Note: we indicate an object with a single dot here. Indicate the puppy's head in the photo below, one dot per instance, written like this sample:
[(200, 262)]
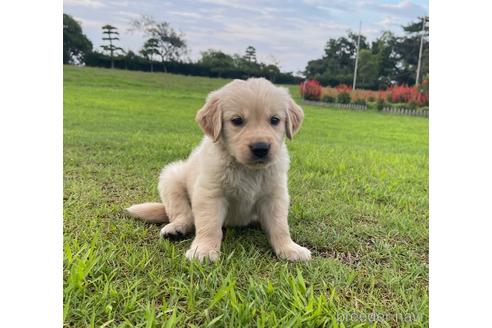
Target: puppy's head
[(251, 118)]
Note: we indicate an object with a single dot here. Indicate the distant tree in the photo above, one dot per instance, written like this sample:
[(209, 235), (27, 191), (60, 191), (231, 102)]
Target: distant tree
[(407, 49), (75, 44), (150, 48), (111, 36), (217, 61), (337, 64), (387, 60), (368, 70), (384, 50), (270, 71), (250, 54), (171, 44)]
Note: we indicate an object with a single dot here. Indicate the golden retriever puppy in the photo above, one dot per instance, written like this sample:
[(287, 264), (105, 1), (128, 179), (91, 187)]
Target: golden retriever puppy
[(236, 176)]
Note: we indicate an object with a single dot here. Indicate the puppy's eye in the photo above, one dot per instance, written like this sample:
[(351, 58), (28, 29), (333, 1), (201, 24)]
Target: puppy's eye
[(237, 121), (274, 120)]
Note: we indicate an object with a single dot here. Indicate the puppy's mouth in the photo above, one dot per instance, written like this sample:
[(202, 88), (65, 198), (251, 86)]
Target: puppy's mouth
[(259, 163)]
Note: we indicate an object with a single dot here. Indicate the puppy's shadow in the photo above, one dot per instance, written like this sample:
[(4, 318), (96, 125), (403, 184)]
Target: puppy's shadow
[(249, 235), (253, 229)]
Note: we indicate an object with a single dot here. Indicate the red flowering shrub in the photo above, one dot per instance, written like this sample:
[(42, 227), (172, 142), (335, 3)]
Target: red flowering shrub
[(329, 95), (400, 93), (423, 93), (415, 96), (344, 91), (382, 96), (310, 90), (361, 97), (343, 88)]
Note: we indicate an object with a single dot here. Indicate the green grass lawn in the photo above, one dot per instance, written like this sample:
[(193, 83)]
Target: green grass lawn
[(359, 200)]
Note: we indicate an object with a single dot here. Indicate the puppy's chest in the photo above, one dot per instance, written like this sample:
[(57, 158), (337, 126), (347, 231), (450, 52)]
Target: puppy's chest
[(242, 191), (244, 185)]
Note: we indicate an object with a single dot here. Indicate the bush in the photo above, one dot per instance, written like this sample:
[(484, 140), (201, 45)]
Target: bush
[(424, 109), (344, 98), (328, 99), (134, 62), (310, 90), (380, 104), (360, 102), (398, 106), (371, 105)]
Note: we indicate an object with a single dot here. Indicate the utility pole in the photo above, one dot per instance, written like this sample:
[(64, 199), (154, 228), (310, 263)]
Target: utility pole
[(420, 51), (357, 57)]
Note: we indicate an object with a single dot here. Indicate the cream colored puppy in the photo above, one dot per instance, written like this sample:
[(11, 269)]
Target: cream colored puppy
[(236, 176)]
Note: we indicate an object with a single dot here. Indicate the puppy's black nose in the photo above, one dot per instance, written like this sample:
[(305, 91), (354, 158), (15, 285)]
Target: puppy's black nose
[(260, 149)]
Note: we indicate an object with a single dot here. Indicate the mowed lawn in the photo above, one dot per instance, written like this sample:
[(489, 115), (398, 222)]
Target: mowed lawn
[(359, 200)]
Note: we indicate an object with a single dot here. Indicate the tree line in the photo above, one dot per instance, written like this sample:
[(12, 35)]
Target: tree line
[(164, 50), (389, 59)]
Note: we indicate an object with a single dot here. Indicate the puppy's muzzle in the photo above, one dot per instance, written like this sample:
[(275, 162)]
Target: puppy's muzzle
[(259, 149)]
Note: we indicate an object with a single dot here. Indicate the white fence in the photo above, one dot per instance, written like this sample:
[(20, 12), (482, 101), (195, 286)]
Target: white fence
[(404, 111), (397, 111), (336, 105)]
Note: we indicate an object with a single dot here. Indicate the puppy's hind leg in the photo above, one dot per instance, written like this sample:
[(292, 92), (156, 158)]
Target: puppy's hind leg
[(173, 192)]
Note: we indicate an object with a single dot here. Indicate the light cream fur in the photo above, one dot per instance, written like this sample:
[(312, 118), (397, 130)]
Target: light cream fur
[(222, 183)]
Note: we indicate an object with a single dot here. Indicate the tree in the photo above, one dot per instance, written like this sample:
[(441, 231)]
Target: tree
[(407, 49), (150, 48), (112, 35), (368, 70), (76, 45), (171, 44), (337, 64), (217, 61), (250, 54), (387, 60), (271, 72)]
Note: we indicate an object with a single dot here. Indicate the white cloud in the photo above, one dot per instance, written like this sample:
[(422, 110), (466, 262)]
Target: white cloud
[(186, 14), (85, 3), (388, 22), (89, 22), (404, 8)]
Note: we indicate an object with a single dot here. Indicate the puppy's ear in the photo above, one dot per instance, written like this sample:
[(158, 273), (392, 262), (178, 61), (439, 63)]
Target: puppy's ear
[(295, 115), (209, 117)]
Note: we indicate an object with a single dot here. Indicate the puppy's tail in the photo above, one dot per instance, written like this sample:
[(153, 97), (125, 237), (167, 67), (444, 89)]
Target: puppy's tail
[(149, 212)]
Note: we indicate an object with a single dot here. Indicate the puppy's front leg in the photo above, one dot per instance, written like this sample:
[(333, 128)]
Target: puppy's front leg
[(273, 212), (209, 212)]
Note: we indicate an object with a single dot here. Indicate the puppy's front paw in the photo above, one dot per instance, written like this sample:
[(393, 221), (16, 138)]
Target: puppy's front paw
[(173, 230), (202, 252), (294, 252)]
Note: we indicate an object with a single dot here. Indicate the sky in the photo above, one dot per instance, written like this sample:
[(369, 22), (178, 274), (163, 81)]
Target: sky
[(289, 33)]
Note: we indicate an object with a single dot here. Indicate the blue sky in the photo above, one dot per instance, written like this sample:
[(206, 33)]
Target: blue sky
[(287, 32)]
